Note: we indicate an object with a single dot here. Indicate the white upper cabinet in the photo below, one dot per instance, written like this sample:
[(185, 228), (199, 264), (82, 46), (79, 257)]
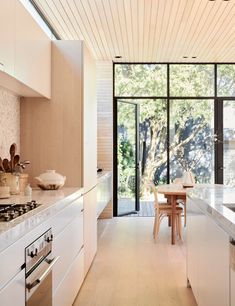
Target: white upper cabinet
[(25, 52), (7, 35), (32, 52)]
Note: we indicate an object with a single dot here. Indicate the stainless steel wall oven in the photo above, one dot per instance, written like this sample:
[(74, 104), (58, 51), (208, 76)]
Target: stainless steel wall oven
[(38, 271)]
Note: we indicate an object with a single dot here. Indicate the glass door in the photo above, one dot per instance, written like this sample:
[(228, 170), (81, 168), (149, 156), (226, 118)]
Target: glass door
[(228, 142), (127, 157)]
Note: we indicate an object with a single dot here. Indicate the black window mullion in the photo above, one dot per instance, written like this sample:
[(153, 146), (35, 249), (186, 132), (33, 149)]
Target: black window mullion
[(168, 124), (218, 141)]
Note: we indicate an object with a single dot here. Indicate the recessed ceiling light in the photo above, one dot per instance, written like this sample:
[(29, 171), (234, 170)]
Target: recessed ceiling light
[(118, 56)]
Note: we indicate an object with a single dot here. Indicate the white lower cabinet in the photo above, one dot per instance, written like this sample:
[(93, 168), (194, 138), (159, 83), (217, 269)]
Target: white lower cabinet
[(104, 192), (207, 259), (14, 292), (67, 245), (232, 287), (90, 227), (72, 281)]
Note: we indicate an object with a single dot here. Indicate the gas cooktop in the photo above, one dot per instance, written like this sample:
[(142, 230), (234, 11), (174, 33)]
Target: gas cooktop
[(10, 212)]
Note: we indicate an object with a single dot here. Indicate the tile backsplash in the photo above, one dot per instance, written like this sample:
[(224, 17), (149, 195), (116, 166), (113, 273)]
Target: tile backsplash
[(9, 121)]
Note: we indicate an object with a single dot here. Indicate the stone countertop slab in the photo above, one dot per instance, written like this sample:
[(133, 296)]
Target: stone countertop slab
[(213, 200), (52, 202), (103, 174)]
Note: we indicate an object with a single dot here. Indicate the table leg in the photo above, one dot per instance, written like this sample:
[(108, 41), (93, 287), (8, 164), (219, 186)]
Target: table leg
[(173, 218)]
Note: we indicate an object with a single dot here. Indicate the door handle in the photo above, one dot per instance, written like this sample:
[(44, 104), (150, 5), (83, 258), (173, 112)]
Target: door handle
[(51, 263)]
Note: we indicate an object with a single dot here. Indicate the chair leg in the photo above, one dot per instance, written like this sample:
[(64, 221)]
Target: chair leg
[(157, 228), (169, 220), (184, 214), (177, 224), (180, 226), (154, 226)]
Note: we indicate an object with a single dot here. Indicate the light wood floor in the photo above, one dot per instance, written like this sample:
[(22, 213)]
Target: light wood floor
[(131, 270), (146, 207)]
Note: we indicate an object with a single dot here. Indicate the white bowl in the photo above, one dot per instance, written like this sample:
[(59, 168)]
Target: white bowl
[(50, 180)]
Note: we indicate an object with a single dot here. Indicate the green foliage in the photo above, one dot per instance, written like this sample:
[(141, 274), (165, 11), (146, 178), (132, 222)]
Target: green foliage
[(191, 121), (226, 80), (140, 80), (191, 80)]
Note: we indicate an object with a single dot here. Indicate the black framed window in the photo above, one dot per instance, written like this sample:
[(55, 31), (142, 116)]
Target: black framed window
[(181, 118)]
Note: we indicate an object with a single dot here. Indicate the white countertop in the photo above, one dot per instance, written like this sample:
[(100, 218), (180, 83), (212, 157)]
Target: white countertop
[(210, 199), (52, 202), (103, 174)]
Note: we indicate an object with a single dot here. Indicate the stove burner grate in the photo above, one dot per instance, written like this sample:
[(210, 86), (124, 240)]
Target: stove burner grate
[(10, 212)]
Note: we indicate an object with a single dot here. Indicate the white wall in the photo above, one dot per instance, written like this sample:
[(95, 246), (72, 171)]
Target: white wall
[(9, 122), (105, 122), (105, 114)]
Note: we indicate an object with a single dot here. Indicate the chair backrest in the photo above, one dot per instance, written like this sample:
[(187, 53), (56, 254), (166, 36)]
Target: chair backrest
[(178, 180), (154, 190)]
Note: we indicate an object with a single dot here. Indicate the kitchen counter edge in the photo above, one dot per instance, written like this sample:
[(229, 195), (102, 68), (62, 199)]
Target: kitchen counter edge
[(52, 202), (213, 200)]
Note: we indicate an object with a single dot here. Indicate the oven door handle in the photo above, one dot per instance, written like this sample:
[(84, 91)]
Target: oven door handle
[(51, 263)]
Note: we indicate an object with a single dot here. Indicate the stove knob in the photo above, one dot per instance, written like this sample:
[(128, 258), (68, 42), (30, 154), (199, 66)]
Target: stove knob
[(31, 254), (7, 217), (49, 239), (12, 214)]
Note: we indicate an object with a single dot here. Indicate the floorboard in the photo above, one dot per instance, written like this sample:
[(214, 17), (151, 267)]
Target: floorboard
[(130, 269)]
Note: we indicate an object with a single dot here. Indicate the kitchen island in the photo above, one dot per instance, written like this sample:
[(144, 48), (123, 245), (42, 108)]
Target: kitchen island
[(61, 213), (210, 239)]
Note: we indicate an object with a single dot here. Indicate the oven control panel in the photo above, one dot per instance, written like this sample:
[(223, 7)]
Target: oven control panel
[(38, 249)]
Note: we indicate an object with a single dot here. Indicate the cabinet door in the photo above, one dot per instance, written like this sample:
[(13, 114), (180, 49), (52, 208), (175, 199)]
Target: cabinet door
[(214, 266), (90, 227), (67, 245), (232, 286), (14, 292), (32, 52), (89, 122), (7, 36), (195, 232), (69, 287)]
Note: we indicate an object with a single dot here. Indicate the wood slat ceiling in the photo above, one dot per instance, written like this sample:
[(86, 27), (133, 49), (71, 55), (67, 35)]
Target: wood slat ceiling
[(147, 30)]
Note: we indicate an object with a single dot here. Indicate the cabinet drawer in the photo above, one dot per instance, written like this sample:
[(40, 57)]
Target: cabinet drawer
[(69, 287), (63, 218), (11, 261), (14, 292), (67, 246)]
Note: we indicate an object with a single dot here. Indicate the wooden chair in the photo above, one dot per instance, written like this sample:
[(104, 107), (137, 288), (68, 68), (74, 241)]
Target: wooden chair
[(179, 180), (164, 210)]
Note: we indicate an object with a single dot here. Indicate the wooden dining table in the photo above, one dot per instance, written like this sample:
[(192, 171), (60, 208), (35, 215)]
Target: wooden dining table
[(172, 193)]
